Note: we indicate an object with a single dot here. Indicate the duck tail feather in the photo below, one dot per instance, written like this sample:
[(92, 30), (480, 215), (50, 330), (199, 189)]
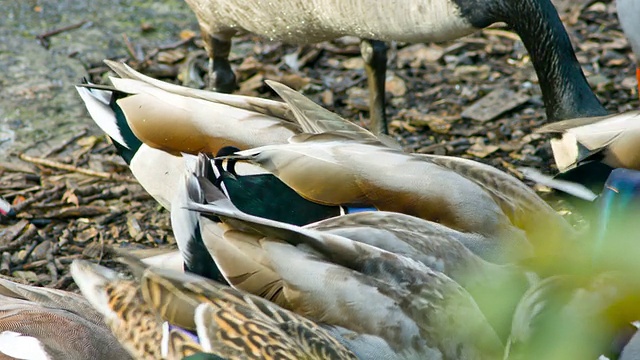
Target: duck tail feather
[(571, 188)]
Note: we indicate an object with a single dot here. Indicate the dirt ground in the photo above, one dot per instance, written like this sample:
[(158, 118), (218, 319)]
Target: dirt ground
[(80, 196)]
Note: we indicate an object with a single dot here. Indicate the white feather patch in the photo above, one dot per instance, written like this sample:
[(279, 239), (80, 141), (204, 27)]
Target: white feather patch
[(22, 347), (202, 311), (164, 343), (101, 113), (184, 222), (172, 261)]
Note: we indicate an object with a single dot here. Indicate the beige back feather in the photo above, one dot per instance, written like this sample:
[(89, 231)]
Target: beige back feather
[(262, 106), (177, 123), (435, 245), (520, 203), (337, 171)]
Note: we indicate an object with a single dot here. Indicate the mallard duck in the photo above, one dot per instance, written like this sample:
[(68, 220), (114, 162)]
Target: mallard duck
[(565, 91), (495, 288), (297, 267), (41, 323), (587, 149), (371, 174), (628, 11), (134, 322), (611, 139), (432, 244), (266, 196), (228, 322), (363, 171), (152, 123)]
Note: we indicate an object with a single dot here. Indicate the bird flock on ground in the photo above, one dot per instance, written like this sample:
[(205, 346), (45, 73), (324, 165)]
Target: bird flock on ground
[(302, 235)]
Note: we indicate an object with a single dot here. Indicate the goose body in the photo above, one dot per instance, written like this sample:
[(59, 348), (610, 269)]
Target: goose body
[(41, 323), (627, 11), (296, 21), (564, 87)]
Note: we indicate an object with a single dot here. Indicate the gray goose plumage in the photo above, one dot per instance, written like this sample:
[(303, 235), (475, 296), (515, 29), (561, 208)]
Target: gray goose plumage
[(565, 90)]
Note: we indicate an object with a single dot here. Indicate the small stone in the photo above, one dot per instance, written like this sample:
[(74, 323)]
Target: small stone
[(480, 150), (597, 7), (171, 56), (133, 226), (28, 276), (327, 98), (358, 98), (353, 63), (395, 85), (629, 83), (419, 55), (40, 252), (477, 72)]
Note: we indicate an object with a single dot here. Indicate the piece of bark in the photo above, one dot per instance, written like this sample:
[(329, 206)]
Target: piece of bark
[(495, 104)]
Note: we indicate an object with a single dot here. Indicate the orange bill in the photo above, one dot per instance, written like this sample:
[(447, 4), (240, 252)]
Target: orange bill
[(638, 78)]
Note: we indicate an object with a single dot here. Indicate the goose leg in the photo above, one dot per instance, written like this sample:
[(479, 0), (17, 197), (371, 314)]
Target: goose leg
[(221, 76), (374, 53)]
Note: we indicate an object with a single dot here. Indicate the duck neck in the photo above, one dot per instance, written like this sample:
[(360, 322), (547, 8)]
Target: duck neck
[(565, 90)]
